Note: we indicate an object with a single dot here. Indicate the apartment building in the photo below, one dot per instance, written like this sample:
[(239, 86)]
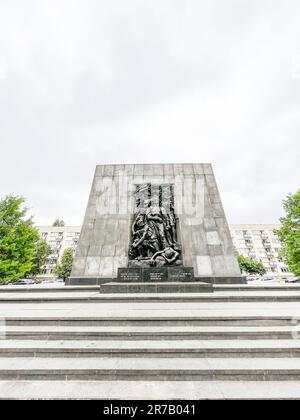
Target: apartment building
[(260, 242), (59, 238)]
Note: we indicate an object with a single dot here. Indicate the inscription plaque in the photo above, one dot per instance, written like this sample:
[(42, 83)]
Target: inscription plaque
[(155, 274), (181, 274), (130, 275)]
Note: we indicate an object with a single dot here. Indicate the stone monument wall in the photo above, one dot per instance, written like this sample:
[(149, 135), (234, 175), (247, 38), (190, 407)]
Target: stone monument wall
[(202, 229)]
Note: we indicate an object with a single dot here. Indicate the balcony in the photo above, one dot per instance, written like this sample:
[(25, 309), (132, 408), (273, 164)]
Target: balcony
[(270, 254), (247, 236)]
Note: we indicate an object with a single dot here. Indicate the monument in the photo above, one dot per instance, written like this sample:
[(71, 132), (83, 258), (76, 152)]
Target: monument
[(155, 224)]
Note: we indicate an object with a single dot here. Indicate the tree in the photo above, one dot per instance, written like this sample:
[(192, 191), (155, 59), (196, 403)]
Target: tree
[(63, 269), (249, 266), (41, 252), (18, 239), (289, 233), (58, 223)]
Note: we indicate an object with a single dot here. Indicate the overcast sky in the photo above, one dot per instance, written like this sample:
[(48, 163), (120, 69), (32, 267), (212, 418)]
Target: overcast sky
[(138, 81)]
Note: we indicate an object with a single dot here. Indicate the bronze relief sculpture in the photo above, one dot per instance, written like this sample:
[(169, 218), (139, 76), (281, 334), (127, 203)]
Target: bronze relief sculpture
[(154, 238)]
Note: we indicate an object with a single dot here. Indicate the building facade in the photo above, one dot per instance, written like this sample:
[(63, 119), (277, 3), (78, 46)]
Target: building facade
[(260, 242), (257, 241), (59, 238)]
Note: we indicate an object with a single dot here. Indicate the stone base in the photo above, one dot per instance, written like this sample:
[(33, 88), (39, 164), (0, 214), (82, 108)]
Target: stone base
[(87, 281), (94, 281), (165, 287), (155, 274), (223, 280)]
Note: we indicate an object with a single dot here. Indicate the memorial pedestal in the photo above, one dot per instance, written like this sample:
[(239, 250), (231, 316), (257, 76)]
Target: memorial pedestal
[(156, 280), (155, 274)]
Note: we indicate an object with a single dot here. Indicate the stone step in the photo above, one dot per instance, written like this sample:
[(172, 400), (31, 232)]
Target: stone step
[(149, 348), (217, 287), (150, 390), (256, 287), (149, 333), (163, 287), (147, 318), (199, 297), (172, 369), (47, 289), (50, 296)]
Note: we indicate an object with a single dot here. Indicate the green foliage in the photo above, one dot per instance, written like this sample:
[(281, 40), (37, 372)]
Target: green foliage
[(289, 233), (18, 239), (41, 252), (249, 266), (58, 223), (63, 269)]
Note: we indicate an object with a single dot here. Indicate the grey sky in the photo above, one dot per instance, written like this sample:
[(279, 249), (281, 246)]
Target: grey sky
[(137, 81)]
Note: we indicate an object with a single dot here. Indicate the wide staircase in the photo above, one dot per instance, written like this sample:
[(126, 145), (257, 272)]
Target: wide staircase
[(73, 342)]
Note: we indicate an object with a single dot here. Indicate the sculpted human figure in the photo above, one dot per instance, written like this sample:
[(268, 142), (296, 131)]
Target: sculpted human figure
[(145, 242), (158, 220), (167, 256), (172, 221)]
